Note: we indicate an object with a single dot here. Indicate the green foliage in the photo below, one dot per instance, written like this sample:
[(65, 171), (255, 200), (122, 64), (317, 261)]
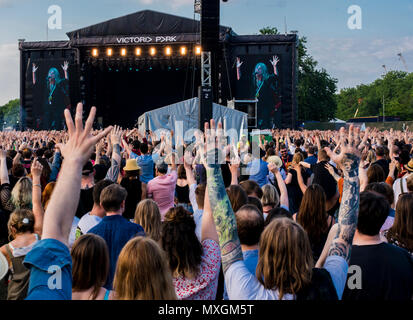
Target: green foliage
[(316, 88), (10, 113), (396, 88)]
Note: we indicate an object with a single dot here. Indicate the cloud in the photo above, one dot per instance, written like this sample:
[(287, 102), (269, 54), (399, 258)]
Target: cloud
[(10, 71), (171, 3), (356, 61)]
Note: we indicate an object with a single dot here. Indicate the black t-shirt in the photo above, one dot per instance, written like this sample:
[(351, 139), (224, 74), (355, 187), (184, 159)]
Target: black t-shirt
[(385, 165), (134, 189), (295, 194), (324, 179), (386, 273)]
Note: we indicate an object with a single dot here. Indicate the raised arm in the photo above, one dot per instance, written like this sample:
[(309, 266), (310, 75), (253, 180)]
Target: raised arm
[(61, 209), (224, 218), (281, 185), (114, 169), (38, 212), (348, 159)]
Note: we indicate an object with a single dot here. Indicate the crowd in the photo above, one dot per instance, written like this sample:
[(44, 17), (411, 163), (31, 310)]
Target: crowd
[(120, 215)]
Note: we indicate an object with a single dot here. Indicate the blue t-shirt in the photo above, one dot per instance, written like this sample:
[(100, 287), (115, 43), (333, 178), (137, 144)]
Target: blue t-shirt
[(146, 163), (310, 160), (117, 231), (392, 212), (258, 170)]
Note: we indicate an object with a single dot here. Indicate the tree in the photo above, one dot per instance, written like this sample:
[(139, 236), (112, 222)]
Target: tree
[(10, 113), (316, 88)]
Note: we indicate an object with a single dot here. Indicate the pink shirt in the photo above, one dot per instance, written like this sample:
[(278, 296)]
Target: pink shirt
[(162, 190)]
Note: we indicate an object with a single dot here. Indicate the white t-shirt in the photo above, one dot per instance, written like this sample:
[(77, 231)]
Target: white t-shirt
[(197, 212), (86, 223), (243, 285), (397, 187)]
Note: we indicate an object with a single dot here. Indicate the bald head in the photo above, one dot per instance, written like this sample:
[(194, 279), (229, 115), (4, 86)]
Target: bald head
[(250, 224)]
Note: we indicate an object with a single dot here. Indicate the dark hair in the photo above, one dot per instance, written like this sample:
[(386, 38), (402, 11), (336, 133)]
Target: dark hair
[(48, 154), (17, 170), (97, 190), (255, 202), (382, 188), (39, 152), (277, 213), (182, 247), (181, 172), (112, 197), (312, 150), (11, 153), (373, 211), (162, 167), (144, 148), (200, 195), (380, 151), (27, 153), (46, 171), (137, 145), (250, 187), (237, 196), (9, 163), (250, 224), (90, 259), (132, 173), (375, 173)]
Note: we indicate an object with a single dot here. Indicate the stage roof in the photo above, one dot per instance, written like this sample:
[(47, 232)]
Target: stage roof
[(146, 22)]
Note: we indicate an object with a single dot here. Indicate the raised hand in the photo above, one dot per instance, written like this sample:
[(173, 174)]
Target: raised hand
[(275, 60), (34, 68), (116, 135), (36, 169), (212, 154), (239, 63), (81, 143), (65, 65)]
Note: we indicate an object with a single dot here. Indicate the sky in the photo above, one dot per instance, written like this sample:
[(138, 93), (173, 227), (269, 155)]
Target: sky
[(353, 56)]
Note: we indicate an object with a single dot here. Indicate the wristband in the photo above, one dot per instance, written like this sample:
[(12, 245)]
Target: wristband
[(37, 185)]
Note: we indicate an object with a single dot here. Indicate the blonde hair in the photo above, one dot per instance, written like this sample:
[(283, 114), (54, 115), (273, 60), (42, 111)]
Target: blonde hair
[(20, 221), (148, 216), (285, 259), (270, 196), (21, 195), (298, 157), (142, 272)]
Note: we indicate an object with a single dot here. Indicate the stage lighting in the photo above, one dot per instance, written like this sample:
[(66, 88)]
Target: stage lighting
[(123, 52), (198, 50), (152, 51), (183, 51), (138, 51), (168, 51), (95, 52), (109, 52)]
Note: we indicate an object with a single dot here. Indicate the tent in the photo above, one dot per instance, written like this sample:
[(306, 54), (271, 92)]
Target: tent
[(182, 117)]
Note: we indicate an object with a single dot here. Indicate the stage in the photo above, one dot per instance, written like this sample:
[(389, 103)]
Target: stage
[(146, 60)]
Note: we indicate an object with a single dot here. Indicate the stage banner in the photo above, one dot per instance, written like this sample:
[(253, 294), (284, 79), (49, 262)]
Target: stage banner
[(51, 93)]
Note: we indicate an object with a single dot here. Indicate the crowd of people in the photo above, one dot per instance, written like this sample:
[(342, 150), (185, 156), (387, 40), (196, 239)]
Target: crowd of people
[(123, 215)]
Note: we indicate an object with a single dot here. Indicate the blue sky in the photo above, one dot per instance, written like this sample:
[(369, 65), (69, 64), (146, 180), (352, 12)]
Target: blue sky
[(352, 56)]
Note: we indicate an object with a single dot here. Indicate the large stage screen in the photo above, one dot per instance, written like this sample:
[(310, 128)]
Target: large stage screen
[(51, 94), (266, 74)]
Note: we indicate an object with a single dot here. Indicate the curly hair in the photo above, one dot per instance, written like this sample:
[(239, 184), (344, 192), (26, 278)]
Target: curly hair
[(182, 247)]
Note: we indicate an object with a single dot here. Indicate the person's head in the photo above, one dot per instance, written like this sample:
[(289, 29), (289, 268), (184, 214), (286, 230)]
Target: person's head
[(180, 242), (322, 155), (261, 70), (46, 171), (375, 173), (27, 154), (144, 148), (373, 211), (277, 213), (371, 156), (283, 151), (285, 258), (311, 150), (237, 196), (402, 229), (142, 272), (255, 202), (181, 172), (47, 193), (18, 170), (252, 188), (20, 221), (98, 188), (270, 196), (312, 215), (148, 216), (380, 152), (21, 195), (87, 170), (298, 157), (90, 264), (200, 195), (250, 224), (383, 188), (161, 168), (112, 198)]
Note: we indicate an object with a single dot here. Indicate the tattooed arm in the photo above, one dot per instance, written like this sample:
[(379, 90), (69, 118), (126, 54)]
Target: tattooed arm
[(349, 159), (114, 169)]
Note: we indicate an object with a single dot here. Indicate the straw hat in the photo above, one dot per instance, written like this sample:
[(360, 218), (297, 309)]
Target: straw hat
[(409, 166), (131, 165), (4, 266), (275, 160)]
